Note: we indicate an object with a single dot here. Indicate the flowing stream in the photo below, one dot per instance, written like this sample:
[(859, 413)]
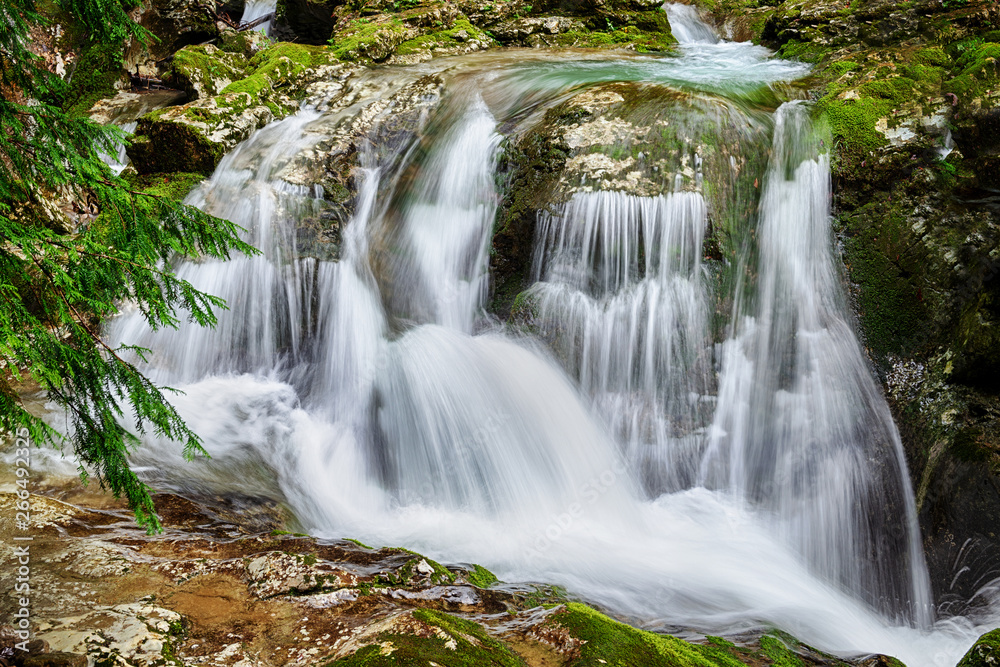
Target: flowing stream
[(681, 466)]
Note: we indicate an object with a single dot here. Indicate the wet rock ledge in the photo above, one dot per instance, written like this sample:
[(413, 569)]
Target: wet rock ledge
[(226, 585)]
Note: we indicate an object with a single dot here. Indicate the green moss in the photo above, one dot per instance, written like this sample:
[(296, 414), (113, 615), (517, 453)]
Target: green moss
[(853, 121), (985, 652), (481, 577), (97, 71), (358, 542), (778, 653), (174, 185), (190, 150), (440, 575), (444, 38), (810, 52), (880, 260), (202, 66), (276, 64), (934, 55), (455, 643), (979, 70), (842, 67), (627, 36), (608, 642), (368, 41)]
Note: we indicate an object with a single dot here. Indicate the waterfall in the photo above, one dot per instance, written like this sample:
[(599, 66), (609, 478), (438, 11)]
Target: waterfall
[(801, 427), (622, 289), (628, 450), (256, 9), (686, 25)]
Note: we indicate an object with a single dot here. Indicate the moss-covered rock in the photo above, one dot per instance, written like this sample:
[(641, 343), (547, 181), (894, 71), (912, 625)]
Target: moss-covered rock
[(462, 37), (195, 136), (985, 652), (423, 636), (370, 40), (205, 70)]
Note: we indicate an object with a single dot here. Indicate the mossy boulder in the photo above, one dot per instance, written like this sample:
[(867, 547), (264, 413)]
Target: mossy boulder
[(462, 37), (205, 70), (424, 636), (194, 137), (985, 652), (165, 143), (370, 40), (405, 31)]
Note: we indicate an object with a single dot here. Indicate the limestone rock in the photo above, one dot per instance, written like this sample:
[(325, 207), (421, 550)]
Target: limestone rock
[(137, 635), (205, 71), (520, 31)]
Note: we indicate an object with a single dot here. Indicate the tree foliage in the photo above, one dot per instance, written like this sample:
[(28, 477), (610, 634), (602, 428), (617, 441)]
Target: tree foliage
[(58, 286)]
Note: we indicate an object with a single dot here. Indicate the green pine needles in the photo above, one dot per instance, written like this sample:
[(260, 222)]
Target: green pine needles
[(58, 286)]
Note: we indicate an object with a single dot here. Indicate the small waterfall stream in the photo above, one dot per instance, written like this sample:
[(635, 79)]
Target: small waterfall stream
[(634, 456)]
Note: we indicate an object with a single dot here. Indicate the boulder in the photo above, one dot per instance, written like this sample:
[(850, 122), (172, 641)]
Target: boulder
[(195, 136), (644, 139), (985, 652), (204, 71)]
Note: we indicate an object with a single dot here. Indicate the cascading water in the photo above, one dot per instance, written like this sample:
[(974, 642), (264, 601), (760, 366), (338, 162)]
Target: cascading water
[(640, 462), (801, 427), (256, 9), (621, 284)]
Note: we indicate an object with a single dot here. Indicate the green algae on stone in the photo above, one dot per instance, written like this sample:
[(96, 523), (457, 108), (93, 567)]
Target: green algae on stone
[(279, 63), (99, 68), (606, 641), (978, 71), (174, 185)]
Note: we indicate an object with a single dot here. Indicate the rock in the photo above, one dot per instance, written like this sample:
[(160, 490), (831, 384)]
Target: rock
[(195, 136), (129, 107), (175, 24), (137, 634), (56, 659), (519, 31), (644, 139), (373, 40), (205, 71), (985, 652)]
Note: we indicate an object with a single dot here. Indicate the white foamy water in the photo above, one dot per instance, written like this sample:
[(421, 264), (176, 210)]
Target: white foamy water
[(675, 478)]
